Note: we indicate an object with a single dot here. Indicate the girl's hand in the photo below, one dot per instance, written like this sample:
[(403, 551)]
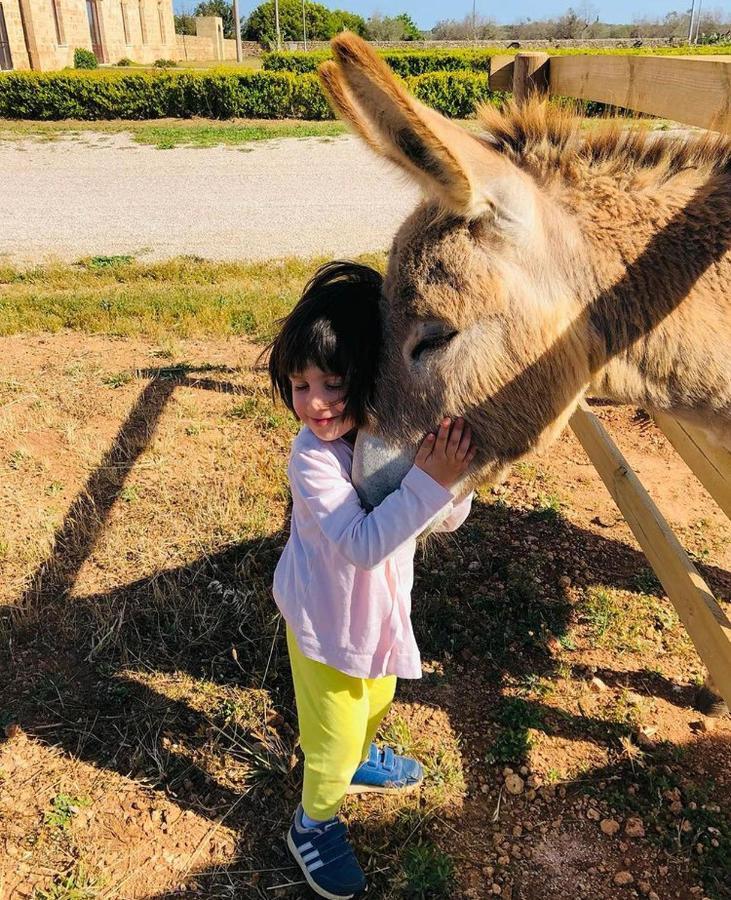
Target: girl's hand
[(446, 456)]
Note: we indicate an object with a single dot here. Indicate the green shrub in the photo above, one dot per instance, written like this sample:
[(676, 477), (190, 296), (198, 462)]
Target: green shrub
[(114, 94), (403, 62), (299, 62), (455, 94), (126, 61), (84, 59), (165, 64)]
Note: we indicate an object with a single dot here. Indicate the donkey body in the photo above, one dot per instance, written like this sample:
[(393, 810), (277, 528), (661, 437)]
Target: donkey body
[(544, 263)]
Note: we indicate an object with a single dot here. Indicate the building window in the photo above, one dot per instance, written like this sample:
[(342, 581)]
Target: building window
[(143, 24), (161, 20), (6, 59), (125, 22), (58, 22)]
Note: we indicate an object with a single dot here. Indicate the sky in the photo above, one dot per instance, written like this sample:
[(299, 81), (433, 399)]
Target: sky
[(426, 12)]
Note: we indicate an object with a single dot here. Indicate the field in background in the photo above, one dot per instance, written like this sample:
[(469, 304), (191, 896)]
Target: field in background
[(150, 731)]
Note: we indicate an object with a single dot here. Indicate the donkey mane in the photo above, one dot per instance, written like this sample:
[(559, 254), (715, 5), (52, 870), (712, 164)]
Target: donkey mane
[(548, 140)]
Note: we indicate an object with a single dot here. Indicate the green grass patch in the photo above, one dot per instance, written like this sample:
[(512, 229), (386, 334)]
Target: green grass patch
[(63, 808), (427, 871), (183, 297), (166, 134), (631, 622), (516, 721)]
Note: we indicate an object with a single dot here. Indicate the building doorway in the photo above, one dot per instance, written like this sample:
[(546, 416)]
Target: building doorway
[(95, 29), (6, 59)]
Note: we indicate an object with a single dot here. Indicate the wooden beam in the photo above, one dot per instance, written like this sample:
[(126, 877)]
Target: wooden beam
[(693, 91), (709, 462), (703, 618), (530, 75), (501, 72)]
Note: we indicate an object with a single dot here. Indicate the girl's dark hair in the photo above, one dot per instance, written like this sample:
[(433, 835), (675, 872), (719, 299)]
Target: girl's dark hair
[(336, 327)]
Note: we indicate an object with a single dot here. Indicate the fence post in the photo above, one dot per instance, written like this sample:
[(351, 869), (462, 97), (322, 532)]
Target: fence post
[(530, 75)]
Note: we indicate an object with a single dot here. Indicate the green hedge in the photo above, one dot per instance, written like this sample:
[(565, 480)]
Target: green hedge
[(403, 62), (145, 95), (456, 94), (215, 94)]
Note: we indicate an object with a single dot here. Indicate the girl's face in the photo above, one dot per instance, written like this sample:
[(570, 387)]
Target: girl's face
[(319, 398)]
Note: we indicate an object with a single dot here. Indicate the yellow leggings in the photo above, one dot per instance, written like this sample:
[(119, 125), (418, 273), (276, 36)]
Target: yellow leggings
[(338, 718)]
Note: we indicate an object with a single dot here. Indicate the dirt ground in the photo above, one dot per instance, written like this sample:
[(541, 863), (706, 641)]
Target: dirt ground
[(150, 735)]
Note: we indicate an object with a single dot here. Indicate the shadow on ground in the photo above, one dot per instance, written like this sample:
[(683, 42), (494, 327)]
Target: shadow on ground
[(488, 603)]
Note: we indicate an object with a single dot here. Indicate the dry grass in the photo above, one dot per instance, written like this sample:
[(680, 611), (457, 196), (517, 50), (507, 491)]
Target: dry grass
[(145, 505), (180, 298)]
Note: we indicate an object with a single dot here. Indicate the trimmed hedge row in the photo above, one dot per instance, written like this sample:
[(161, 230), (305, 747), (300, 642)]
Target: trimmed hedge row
[(216, 94), (404, 62), (145, 95)]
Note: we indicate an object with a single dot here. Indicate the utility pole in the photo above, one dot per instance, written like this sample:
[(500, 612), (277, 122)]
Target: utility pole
[(237, 30), (276, 24), (304, 25), (690, 24), (698, 21)]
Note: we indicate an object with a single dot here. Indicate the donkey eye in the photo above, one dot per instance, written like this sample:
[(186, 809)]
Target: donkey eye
[(432, 342)]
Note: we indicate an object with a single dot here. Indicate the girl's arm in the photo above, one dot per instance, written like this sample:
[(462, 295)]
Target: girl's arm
[(456, 516), (365, 539)]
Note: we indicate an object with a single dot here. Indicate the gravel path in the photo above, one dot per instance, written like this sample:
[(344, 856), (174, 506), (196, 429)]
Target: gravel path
[(105, 195)]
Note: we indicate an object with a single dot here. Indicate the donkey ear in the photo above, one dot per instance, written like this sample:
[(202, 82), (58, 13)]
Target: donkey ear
[(467, 176)]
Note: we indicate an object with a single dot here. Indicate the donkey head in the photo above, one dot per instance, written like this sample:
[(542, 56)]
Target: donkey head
[(478, 317)]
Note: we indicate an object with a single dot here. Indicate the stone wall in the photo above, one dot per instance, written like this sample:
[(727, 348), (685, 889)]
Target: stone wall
[(150, 32), (617, 44)]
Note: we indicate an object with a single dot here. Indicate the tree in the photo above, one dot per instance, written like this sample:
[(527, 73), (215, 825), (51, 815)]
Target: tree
[(184, 24), (322, 23), (340, 20), (464, 30), (218, 8), (392, 28)]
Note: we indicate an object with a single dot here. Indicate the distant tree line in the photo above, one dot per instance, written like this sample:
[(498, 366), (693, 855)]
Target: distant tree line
[(579, 23), (322, 23), (582, 22)]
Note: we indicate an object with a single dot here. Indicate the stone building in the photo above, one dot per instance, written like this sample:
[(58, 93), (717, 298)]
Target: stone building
[(43, 34)]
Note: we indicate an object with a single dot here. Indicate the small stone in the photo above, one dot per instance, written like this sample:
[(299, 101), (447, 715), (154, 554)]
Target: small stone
[(598, 685), (514, 784), (622, 878), (564, 581), (609, 826), (676, 807), (474, 565), (496, 889), (12, 730), (517, 830), (503, 860), (653, 896), (634, 828), (593, 814), (644, 887)]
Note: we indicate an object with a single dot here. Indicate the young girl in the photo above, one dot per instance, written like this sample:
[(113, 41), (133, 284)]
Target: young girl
[(344, 580)]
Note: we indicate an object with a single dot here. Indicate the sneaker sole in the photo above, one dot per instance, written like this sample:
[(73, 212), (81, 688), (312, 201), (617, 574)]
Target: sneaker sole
[(315, 887), (376, 789)]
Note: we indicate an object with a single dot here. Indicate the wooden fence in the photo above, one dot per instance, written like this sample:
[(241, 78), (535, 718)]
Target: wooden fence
[(694, 91)]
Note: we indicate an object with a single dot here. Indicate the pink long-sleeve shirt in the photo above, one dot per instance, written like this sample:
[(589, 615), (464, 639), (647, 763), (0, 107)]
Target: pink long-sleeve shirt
[(343, 583)]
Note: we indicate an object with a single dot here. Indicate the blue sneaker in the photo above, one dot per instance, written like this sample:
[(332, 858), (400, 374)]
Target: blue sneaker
[(384, 772), (326, 858)]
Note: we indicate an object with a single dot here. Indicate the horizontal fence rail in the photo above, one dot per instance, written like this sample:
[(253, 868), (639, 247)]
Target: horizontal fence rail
[(695, 91)]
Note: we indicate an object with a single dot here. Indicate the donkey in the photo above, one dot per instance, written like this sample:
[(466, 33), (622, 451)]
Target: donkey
[(543, 264)]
